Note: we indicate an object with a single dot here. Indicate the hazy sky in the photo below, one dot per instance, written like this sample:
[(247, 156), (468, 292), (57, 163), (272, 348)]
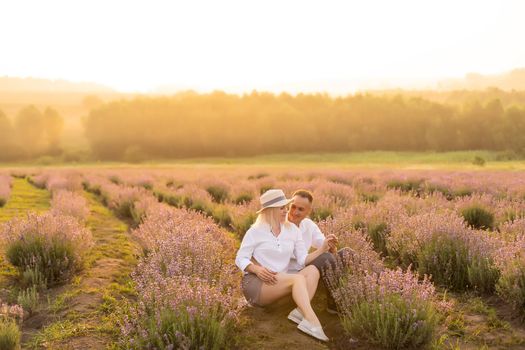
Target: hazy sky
[(265, 45)]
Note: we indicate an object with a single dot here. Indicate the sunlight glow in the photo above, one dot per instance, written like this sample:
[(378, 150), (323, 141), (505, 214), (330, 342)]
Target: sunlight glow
[(265, 45)]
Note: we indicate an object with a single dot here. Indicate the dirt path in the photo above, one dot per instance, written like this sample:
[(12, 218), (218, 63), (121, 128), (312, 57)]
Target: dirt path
[(269, 328), (81, 315)]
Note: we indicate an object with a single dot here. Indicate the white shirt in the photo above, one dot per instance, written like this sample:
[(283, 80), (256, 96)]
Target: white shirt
[(270, 251), (312, 237)]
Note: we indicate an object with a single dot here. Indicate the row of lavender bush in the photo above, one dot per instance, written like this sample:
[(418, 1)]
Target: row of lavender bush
[(5, 188), (47, 249), (461, 230), (187, 288)]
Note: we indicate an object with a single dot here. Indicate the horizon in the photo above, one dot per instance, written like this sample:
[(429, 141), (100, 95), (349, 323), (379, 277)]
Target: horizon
[(333, 47), (444, 85)]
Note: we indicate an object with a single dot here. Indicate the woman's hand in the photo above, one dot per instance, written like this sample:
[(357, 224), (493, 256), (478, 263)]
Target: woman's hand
[(267, 276)]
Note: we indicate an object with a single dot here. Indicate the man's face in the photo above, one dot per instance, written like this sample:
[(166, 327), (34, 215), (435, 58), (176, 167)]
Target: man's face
[(299, 209)]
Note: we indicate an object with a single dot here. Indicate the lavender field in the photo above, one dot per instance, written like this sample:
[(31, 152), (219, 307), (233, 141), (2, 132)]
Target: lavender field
[(144, 258)]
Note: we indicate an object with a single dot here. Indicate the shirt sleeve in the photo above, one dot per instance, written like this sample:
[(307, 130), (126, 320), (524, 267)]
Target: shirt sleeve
[(317, 236), (245, 252), (299, 251)]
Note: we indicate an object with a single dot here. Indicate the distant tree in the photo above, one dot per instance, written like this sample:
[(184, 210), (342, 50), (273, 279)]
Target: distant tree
[(6, 131), (92, 101), (29, 129), (8, 149), (53, 126), (220, 124)]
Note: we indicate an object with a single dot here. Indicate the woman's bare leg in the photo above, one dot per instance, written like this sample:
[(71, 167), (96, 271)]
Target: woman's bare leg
[(311, 273), (286, 283)]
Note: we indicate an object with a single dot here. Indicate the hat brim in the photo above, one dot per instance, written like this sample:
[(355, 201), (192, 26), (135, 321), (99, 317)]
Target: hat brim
[(276, 205)]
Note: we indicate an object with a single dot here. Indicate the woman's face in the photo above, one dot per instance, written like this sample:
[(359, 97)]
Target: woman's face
[(283, 211)]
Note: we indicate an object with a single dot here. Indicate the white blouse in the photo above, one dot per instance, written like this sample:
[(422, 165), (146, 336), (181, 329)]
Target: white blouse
[(312, 237), (270, 251)]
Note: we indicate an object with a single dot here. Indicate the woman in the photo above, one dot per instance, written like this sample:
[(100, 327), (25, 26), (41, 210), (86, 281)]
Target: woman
[(270, 242)]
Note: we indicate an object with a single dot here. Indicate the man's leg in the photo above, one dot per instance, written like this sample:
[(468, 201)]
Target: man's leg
[(326, 262)]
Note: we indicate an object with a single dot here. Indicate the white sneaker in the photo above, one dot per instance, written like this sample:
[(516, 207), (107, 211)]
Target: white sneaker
[(296, 315), (314, 331)]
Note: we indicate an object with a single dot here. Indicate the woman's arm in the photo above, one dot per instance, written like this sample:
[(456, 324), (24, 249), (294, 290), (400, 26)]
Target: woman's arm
[(267, 276), (245, 252), (304, 259)]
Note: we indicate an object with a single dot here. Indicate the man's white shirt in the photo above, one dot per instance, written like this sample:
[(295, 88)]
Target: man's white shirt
[(312, 237)]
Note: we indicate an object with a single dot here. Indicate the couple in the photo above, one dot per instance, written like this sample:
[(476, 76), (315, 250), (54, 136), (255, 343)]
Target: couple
[(274, 257)]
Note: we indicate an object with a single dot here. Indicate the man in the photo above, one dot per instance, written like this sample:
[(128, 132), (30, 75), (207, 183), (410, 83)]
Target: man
[(300, 209)]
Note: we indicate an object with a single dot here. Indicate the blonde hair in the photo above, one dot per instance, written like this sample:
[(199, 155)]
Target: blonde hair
[(270, 216)]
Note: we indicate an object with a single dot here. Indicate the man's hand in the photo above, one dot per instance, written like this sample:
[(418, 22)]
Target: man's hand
[(333, 245), (330, 243), (267, 276)]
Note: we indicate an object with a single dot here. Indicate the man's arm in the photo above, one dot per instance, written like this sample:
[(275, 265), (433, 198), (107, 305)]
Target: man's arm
[(318, 238)]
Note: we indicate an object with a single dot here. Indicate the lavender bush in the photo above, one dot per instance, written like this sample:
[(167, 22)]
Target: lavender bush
[(52, 244), (188, 295)]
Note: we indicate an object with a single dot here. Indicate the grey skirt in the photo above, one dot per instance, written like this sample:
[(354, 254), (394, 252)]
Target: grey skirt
[(251, 288)]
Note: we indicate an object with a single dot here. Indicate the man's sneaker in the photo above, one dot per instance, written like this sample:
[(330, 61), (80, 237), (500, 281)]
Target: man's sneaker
[(314, 331), (296, 316)]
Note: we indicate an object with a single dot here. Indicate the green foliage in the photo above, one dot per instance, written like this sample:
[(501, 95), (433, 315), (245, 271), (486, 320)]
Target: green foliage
[(393, 323), (95, 189), (397, 123), (411, 185), (446, 260), (320, 213), (115, 179), (463, 192), (185, 330), (241, 224), (33, 277), (511, 287), (221, 215), (452, 266), (125, 209), (10, 335), (482, 274), (55, 259), (478, 217), (369, 197), (378, 234), (479, 161), (169, 198), (265, 188), (456, 326), (244, 197), (258, 176), (218, 193), (28, 299), (433, 188)]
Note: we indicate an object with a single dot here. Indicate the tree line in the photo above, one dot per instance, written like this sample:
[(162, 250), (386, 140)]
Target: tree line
[(31, 133), (220, 124)]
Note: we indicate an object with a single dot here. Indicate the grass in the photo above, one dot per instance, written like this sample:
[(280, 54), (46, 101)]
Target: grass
[(94, 312), (369, 159), (24, 197), (58, 331), (474, 323)]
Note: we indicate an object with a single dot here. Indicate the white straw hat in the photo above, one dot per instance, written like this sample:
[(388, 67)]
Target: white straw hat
[(273, 199)]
